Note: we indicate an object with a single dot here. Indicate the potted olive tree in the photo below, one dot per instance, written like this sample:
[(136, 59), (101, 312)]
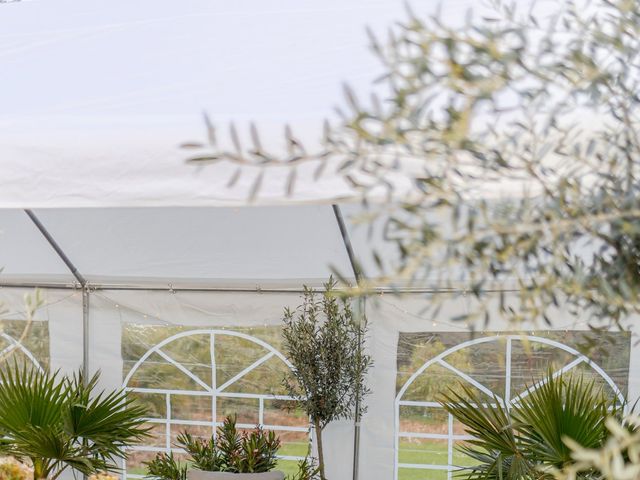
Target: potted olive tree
[(57, 422), (324, 343)]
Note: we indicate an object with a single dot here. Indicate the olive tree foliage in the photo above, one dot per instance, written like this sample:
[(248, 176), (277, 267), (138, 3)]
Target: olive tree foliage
[(519, 132), (324, 343)]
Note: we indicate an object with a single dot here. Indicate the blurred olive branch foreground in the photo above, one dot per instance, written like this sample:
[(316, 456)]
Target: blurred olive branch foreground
[(519, 132)]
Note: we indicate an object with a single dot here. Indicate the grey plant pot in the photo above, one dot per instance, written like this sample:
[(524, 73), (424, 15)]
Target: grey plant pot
[(195, 474)]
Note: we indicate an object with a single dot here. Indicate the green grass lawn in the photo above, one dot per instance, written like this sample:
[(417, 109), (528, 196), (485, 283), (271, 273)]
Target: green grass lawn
[(428, 452), (292, 449), (433, 452)]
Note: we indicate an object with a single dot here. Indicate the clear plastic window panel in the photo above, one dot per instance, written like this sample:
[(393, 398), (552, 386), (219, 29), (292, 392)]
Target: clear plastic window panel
[(192, 378), (501, 366), (24, 343)]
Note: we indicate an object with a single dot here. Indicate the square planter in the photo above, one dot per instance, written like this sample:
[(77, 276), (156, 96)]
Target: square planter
[(202, 475)]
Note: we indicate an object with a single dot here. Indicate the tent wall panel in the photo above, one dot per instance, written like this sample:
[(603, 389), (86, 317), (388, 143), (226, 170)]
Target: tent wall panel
[(396, 323), (26, 255), (401, 334), (117, 315)]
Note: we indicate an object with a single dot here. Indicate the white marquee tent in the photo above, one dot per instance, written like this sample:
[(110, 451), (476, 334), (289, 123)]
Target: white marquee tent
[(144, 262)]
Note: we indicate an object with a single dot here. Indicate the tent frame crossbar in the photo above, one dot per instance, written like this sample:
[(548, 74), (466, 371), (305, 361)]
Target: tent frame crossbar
[(63, 256), (94, 287), (348, 246)]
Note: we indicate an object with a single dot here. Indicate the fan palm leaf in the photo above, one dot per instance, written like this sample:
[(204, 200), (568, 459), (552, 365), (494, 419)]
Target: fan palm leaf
[(59, 422), (496, 445), (523, 440), (563, 407)]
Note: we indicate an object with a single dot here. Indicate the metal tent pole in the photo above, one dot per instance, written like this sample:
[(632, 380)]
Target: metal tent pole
[(74, 271), (157, 287), (362, 317), (83, 284)]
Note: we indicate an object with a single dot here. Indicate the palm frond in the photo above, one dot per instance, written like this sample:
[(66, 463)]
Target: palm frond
[(59, 422), (495, 446), (565, 406), (527, 440)]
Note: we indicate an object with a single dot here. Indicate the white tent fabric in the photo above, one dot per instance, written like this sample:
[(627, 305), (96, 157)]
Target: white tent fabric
[(215, 246), (26, 255), (97, 96)]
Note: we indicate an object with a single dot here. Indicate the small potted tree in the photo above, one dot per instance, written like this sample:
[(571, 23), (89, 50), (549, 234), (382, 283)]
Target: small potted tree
[(324, 343)]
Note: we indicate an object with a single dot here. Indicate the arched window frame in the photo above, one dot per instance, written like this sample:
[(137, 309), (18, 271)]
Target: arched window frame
[(220, 392), (440, 360)]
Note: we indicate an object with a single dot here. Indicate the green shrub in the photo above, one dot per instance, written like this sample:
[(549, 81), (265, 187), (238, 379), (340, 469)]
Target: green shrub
[(228, 451), (165, 466)]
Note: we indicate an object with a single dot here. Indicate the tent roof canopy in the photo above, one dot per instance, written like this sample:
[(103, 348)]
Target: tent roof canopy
[(98, 96), (269, 246)]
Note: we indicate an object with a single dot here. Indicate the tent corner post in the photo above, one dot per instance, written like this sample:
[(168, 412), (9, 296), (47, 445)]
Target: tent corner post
[(85, 332), (357, 273)]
